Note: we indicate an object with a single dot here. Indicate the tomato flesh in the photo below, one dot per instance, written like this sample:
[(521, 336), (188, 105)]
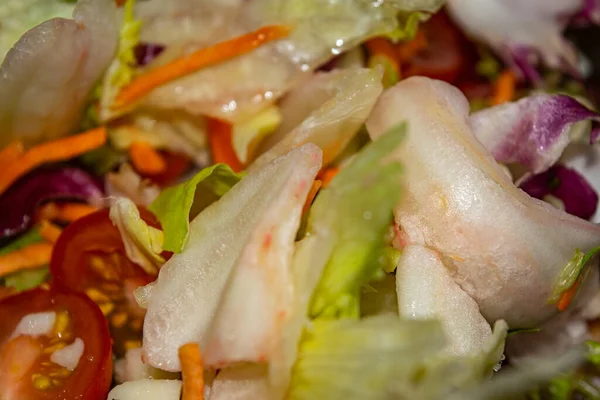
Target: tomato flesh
[(89, 257), (26, 369)]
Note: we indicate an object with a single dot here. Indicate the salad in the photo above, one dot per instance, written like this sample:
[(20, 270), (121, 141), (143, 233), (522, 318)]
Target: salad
[(318, 199)]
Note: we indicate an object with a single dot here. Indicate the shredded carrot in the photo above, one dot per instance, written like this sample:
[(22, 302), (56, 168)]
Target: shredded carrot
[(57, 150), (180, 67), (146, 160), (219, 133), (312, 194), (49, 231), (407, 50), (32, 256), (11, 152), (567, 296), (67, 212), (384, 47), (327, 174), (504, 88), (192, 372)]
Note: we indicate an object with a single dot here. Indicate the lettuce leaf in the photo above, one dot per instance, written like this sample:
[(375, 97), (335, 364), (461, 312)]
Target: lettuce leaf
[(357, 208), (27, 279), (362, 359), (572, 271), (30, 237), (122, 69), (175, 206), (143, 243), (18, 16)]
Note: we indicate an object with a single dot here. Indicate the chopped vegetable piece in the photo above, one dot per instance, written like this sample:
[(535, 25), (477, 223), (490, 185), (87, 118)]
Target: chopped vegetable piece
[(30, 237), (178, 68), (32, 256), (192, 371), (312, 194), (11, 152), (177, 205), (504, 88), (406, 50), (146, 160), (49, 231), (327, 174), (58, 150), (221, 146), (65, 212), (382, 52), (567, 296), (26, 279)]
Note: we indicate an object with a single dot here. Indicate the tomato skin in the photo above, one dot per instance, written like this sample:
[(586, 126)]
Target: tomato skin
[(177, 165), (92, 377), (92, 233), (445, 55)]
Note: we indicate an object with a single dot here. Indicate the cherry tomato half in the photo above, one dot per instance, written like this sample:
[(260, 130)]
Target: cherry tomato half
[(27, 369), (89, 256)]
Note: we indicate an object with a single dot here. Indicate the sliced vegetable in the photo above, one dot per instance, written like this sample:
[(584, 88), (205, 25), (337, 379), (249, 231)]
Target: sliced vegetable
[(144, 84), (382, 52), (146, 160), (27, 194), (569, 277), (147, 389), (13, 151), (333, 354), (65, 211), (31, 256), (143, 243), (246, 135), (239, 248), (25, 360), (461, 203), (145, 53), (58, 150), (576, 194), (363, 195), (177, 205), (532, 131), (221, 146), (504, 88), (89, 257), (327, 175), (27, 279), (192, 372), (127, 183), (46, 78), (49, 231), (30, 237)]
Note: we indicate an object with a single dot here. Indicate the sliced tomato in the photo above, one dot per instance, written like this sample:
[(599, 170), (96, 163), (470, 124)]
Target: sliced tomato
[(89, 256), (26, 367), (444, 55)]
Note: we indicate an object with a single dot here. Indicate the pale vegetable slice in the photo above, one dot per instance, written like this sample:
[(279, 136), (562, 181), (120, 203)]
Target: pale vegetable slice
[(46, 78), (504, 248), (426, 291), (327, 111), (229, 287), (132, 368), (241, 383), (147, 389)]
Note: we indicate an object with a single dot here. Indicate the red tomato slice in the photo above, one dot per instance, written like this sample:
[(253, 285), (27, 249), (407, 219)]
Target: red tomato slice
[(443, 57), (89, 256), (26, 369), (177, 165)]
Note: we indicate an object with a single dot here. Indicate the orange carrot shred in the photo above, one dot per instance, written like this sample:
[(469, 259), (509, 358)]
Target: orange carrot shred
[(66, 212), (504, 88), (407, 50), (32, 256), (57, 150), (192, 371), (49, 231), (312, 194), (180, 67), (11, 152), (146, 159), (327, 174), (219, 133), (384, 47), (568, 295)]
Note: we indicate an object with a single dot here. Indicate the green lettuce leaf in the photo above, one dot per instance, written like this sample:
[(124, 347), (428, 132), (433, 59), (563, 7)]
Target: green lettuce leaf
[(19, 16), (177, 205), (362, 359), (30, 237), (357, 209), (27, 279), (123, 68), (571, 273), (143, 243)]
